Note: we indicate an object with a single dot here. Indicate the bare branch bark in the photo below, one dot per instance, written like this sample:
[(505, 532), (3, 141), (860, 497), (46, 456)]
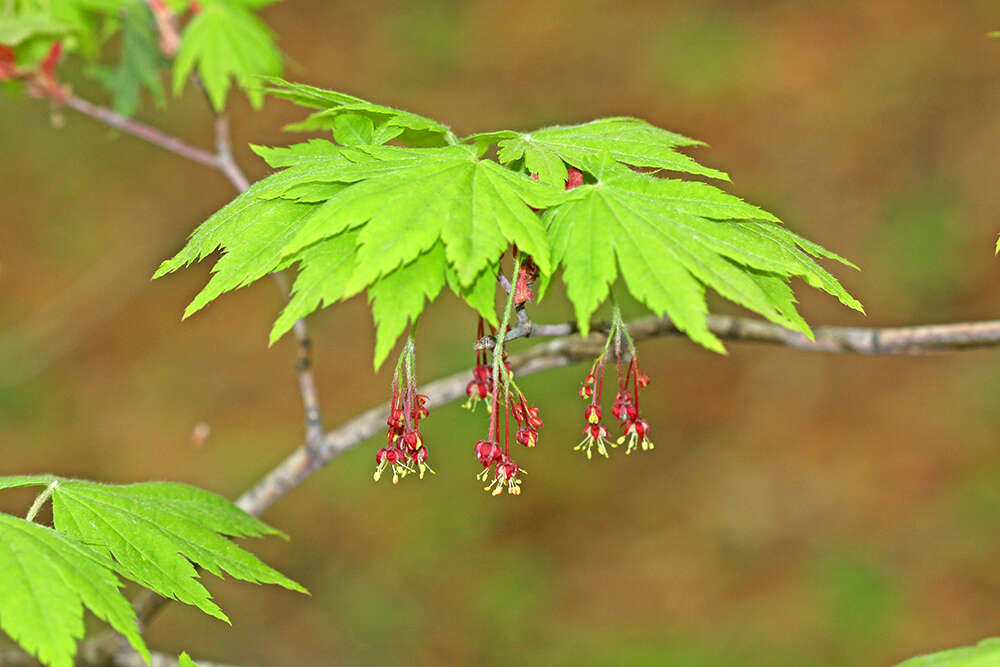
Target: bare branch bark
[(143, 131), (919, 339), (224, 154)]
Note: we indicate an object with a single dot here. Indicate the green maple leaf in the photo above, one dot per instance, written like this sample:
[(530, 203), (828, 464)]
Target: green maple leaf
[(480, 295), (326, 268), (138, 66), (46, 580), (226, 41), (398, 203), (19, 28), (672, 238), (984, 654), (252, 231), (399, 297), (628, 140), (407, 199), (358, 214), (386, 122), (156, 532)]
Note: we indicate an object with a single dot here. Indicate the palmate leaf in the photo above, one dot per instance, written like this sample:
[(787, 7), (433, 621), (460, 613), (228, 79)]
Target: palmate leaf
[(628, 140), (397, 203), (362, 215), (410, 128), (17, 29), (139, 64), (671, 239), (407, 199), (156, 532), (399, 297), (226, 41), (984, 654), (46, 580)]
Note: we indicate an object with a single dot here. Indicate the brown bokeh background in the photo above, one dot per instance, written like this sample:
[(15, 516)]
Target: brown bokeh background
[(800, 509)]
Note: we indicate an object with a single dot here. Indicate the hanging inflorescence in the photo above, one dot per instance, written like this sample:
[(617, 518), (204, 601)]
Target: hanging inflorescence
[(510, 402), (493, 383), (406, 452), (626, 405), (480, 388)]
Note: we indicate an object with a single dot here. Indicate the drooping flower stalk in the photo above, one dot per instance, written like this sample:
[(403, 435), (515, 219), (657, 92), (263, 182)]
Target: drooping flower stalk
[(626, 404), (506, 473), (406, 452)]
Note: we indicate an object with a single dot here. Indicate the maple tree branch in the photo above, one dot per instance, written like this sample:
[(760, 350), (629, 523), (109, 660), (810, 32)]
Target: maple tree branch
[(919, 339), (567, 349), (224, 154), (142, 131), (222, 160), (130, 658), (303, 368)]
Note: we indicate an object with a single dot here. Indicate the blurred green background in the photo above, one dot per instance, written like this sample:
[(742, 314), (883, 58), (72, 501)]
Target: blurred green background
[(799, 509)]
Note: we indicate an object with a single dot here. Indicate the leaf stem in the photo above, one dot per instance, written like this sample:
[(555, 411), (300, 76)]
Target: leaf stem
[(40, 500)]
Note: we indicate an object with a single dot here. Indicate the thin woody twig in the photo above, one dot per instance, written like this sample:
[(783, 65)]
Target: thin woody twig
[(307, 381), (224, 154), (143, 131), (223, 161)]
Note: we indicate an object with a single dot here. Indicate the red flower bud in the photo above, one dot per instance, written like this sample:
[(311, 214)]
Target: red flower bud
[(8, 68), (592, 414), (487, 452), (575, 178), (527, 437), (586, 392), (522, 292), (413, 440), (508, 470)]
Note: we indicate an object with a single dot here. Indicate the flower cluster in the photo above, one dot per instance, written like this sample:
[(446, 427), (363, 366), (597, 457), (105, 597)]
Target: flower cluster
[(480, 388), (42, 80), (405, 452), (496, 460), (511, 401), (626, 409), (626, 404)]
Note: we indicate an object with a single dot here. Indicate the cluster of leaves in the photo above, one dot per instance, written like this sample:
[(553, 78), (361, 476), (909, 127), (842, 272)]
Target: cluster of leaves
[(220, 40), (153, 534), (402, 221)]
